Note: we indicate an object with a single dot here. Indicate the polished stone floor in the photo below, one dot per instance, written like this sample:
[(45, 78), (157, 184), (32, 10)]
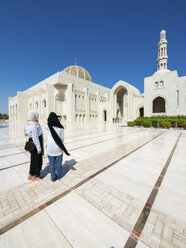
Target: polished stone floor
[(121, 187)]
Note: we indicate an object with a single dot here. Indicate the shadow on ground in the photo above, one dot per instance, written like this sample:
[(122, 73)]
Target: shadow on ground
[(3, 126), (68, 165)]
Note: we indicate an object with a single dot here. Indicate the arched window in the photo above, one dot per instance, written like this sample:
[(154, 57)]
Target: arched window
[(104, 115), (36, 105), (44, 103), (60, 98), (10, 112), (30, 105), (13, 113), (16, 111), (161, 83), (177, 98), (159, 105), (156, 84)]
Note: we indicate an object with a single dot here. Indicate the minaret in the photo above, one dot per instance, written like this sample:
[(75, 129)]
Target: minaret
[(162, 51)]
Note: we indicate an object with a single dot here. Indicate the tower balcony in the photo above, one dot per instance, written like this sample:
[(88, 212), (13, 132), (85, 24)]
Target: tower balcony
[(162, 57)]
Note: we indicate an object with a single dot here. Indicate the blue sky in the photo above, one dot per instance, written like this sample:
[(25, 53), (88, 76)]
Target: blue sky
[(113, 40)]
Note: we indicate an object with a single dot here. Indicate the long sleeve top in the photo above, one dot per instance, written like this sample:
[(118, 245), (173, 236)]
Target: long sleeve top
[(52, 148), (34, 131)]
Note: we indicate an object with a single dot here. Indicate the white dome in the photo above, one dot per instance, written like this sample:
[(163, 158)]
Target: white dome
[(78, 71)]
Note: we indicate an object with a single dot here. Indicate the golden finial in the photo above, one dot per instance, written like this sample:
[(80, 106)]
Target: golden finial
[(75, 61)]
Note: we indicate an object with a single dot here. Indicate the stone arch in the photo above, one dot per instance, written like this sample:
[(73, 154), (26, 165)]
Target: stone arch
[(158, 105), (141, 111), (125, 100), (59, 99), (139, 108), (121, 103)]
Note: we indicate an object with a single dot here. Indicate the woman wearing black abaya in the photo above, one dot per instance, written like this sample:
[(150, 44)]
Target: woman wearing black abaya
[(34, 132)]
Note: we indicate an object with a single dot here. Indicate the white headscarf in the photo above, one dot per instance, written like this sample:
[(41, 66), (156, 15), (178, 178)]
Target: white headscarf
[(33, 117)]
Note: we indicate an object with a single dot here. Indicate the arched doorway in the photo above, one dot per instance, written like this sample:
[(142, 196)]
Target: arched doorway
[(159, 105), (141, 111), (104, 115), (121, 103)]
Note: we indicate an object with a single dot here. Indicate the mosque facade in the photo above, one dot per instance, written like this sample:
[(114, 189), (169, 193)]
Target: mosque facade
[(74, 96)]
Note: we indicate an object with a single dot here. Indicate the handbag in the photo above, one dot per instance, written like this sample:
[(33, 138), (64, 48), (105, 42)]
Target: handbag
[(29, 146)]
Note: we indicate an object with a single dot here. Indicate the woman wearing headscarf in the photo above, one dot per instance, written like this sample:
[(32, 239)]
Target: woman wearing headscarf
[(34, 132), (55, 146)]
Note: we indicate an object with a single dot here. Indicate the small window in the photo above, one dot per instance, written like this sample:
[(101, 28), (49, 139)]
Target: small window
[(161, 51), (161, 83), (44, 103), (178, 98)]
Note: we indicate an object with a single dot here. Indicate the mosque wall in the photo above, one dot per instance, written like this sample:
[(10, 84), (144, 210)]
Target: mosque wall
[(73, 96), (167, 85)]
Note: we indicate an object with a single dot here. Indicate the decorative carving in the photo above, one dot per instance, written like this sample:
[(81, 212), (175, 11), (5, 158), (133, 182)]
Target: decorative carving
[(60, 97)]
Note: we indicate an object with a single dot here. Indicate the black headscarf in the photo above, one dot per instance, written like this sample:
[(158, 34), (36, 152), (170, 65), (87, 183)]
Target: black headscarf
[(53, 121)]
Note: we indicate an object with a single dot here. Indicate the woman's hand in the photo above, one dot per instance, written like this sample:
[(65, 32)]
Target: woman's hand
[(39, 152)]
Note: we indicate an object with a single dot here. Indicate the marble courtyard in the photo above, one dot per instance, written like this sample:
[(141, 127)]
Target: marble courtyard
[(121, 187)]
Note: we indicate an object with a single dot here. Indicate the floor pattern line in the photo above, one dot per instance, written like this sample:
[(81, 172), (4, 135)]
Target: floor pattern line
[(141, 221), (43, 206), (3, 156), (73, 149), (107, 131)]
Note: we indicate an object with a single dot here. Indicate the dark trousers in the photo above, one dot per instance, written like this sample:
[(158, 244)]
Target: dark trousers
[(36, 160)]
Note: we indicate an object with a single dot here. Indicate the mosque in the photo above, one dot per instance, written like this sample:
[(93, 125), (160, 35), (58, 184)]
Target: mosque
[(73, 95)]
